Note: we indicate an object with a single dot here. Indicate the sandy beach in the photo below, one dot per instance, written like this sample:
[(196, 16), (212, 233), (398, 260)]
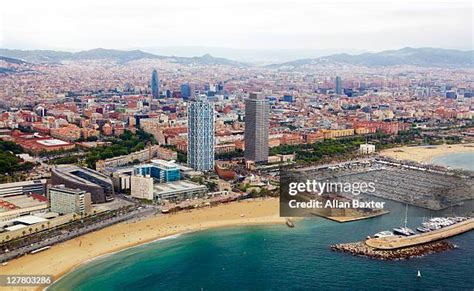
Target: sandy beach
[(64, 257), (424, 154)]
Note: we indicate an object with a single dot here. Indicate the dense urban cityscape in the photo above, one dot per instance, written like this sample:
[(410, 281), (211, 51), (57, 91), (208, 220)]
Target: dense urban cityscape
[(101, 137), (173, 172)]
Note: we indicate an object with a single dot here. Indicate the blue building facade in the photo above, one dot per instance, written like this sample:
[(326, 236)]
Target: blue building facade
[(155, 85), (185, 91), (288, 98), (160, 171)]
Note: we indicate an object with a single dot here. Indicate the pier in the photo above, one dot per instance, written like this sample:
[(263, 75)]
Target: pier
[(355, 217), (397, 242)]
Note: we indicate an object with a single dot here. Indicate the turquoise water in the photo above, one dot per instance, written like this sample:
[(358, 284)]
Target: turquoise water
[(273, 258), (459, 160), (277, 258)]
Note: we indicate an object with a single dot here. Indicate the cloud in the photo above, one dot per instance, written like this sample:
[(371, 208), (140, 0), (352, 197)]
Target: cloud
[(370, 25)]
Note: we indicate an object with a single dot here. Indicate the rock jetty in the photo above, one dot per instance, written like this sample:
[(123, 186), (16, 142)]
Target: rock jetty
[(361, 249)]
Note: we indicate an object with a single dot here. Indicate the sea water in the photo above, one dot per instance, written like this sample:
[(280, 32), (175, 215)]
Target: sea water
[(280, 258)]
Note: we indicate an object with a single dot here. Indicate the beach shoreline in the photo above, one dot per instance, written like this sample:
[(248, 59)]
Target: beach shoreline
[(425, 154), (67, 256)]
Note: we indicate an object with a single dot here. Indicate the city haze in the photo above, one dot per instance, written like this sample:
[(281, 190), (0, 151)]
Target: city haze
[(241, 30)]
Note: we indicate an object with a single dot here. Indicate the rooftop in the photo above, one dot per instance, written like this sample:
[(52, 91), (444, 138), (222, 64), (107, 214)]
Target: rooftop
[(21, 201), (70, 171), (15, 227), (64, 189), (29, 219), (52, 142), (176, 186)]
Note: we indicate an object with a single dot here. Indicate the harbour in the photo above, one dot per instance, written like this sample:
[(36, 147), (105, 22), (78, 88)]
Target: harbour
[(397, 242), (388, 246)]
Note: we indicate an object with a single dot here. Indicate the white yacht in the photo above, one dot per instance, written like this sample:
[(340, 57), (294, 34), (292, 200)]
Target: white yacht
[(384, 233), (404, 230)]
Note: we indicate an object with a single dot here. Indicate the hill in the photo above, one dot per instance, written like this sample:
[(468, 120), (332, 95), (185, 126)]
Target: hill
[(120, 56), (426, 57)]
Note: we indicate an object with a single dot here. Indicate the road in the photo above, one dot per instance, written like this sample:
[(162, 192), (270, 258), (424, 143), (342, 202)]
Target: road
[(67, 235)]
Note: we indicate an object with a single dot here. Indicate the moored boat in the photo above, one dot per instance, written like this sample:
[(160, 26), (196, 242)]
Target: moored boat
[(403, 231), (384, 233), (423, 229)]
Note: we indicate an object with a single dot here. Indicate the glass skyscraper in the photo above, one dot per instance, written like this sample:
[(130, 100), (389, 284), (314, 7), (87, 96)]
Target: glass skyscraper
[(185, 91), (256, 128), (201, 134), (338, 85), (155, 85)]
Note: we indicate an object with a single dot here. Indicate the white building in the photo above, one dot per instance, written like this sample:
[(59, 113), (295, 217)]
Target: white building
[(65, 200), (141, 187), (201, 140), (367, 149)]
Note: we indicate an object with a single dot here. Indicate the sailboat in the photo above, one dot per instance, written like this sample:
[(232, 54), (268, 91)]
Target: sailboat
[(404, 230), (424, 227), (419, 274)]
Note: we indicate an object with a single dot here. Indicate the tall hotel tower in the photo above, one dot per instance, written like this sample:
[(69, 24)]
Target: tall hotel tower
[(256, 128), (155, 85), (338, 85), (201, 134)]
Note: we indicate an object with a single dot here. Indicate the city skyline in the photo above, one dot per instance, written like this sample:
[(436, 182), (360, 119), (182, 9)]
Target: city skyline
[(186, 144)]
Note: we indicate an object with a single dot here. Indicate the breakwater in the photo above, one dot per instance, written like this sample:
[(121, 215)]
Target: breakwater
[(362, 249), (394, 242)]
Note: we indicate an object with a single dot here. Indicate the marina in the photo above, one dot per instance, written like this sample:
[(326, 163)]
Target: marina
[(396, 242), (404, 243)]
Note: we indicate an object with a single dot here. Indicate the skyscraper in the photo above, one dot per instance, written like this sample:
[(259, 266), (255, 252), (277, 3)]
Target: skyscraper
[(155, 85), (338, 85), (201, 134), (256, 128), (185, 91)]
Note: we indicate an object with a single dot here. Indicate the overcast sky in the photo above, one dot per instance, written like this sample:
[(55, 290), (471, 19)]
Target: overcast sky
[(241, 24)]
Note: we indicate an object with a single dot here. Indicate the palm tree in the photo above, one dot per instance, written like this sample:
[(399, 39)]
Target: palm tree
[(30, 230)]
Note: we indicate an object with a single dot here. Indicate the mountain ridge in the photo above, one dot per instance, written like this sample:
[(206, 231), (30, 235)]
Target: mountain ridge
[(426, 56), (121, 56)]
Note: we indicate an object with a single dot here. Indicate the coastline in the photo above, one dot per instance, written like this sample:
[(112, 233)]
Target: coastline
[(63, 258), (425, 154)]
